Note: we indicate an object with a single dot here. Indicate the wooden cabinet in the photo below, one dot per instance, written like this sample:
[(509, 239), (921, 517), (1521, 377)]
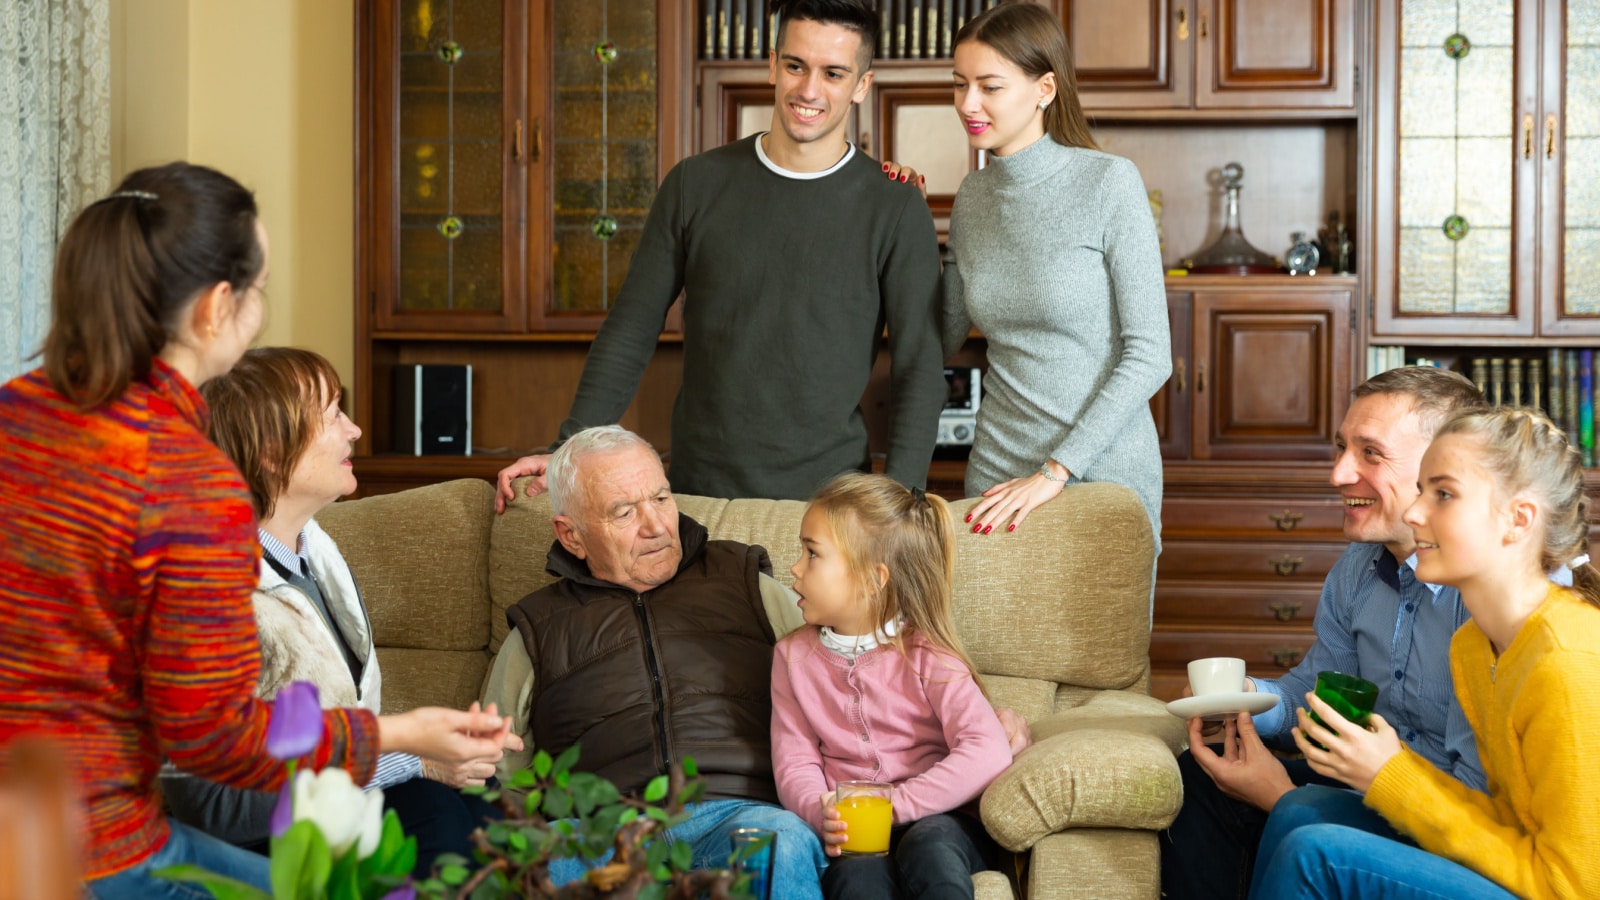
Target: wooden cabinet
[(1245, 550), (1486, 138), (1261, 367), (507, 152), (1289, 57)]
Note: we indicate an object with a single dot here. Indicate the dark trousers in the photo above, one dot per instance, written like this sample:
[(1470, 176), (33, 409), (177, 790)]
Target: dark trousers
[(933, 857), (1210, 850), (441, 818)]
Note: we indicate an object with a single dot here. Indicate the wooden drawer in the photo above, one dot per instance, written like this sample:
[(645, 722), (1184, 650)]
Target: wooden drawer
[(1265, 518), (1220, 605), (1265, 653), (1247, 561)]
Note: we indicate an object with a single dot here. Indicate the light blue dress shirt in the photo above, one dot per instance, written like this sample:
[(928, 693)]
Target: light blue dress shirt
[(1378, 621)]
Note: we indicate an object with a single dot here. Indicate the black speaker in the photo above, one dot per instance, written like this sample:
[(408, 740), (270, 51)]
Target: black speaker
[(433, 410)]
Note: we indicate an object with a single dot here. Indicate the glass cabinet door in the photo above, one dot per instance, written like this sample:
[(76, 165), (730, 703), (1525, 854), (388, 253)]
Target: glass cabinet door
[(603, 156), (1569, 142), (456, 81), (1456, 97)]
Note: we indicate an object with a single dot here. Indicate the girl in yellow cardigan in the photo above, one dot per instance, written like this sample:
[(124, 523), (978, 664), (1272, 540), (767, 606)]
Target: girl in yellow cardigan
[(1502, 506)]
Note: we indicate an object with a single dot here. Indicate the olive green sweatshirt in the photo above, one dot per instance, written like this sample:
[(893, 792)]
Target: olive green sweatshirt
[(789, 280)]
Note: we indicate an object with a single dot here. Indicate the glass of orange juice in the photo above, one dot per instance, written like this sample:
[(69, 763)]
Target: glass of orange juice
[(867, 811)]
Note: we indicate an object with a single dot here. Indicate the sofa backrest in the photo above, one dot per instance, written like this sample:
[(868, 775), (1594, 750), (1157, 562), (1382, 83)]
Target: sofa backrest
[(1050, 613)]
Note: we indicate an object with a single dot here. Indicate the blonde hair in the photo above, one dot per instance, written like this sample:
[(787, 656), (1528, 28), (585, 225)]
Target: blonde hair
[(1526, 453), (1030, 38), (876, 521)]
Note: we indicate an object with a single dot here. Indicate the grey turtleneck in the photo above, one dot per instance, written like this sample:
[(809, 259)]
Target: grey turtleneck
[(1055, 259)]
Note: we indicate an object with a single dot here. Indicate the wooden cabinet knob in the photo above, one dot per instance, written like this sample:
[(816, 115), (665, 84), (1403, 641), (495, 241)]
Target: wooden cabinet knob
[(1286, 610), (1286, 657), (1286, 565), (1286, 520)]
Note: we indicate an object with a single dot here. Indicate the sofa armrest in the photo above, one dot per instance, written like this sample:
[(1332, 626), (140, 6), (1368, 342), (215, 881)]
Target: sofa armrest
[(1086, 772)]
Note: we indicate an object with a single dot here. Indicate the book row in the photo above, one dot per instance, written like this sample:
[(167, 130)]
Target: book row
[(909, 29), (1559, 382)]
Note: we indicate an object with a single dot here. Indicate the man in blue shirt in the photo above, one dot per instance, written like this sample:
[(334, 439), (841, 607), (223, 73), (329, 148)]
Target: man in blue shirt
[(1374, 619)]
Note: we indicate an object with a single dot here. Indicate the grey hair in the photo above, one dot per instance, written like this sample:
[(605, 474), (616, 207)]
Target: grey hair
[(561, 473)]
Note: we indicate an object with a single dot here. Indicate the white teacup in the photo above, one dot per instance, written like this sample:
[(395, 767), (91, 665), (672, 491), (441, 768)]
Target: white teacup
[(1216, 675)]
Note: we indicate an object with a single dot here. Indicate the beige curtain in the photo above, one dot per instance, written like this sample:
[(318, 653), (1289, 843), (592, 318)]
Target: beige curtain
[(55, 151)]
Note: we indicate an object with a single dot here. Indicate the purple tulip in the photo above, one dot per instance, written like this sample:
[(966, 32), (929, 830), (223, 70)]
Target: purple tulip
[(296, 726), (283, 811), (403, 892)]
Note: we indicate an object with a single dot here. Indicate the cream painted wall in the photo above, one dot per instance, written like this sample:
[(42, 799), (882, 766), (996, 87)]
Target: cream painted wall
[(262, 90)]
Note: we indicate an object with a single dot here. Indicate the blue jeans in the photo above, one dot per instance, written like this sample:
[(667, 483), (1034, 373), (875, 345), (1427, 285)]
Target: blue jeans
[(1326, 861), (797, 857), (184, 845), (1319, 805)]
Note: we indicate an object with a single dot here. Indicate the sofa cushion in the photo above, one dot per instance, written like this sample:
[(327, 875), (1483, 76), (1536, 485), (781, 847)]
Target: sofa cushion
[(413, 678), (421, 560)]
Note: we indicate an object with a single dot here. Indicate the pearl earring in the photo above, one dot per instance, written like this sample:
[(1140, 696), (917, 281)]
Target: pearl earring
[(1043, 104)]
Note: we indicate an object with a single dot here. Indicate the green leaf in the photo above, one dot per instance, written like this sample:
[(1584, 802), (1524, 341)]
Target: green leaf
[(517, 840), (689, 768), (541, 764), (530, 804), (657, 813), (523, 779), (454, 875), (682, 856), (345, 882), (300, 859), (565, 761), (558, 804), (628, 815), (656, 789), (220, 887)]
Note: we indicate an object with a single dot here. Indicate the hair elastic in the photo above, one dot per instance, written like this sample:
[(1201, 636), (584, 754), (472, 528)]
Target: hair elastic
[(1580, 560), (130, 195), (920, 494)]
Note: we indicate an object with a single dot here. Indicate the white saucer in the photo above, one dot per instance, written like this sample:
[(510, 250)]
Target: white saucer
[(1217, 706)]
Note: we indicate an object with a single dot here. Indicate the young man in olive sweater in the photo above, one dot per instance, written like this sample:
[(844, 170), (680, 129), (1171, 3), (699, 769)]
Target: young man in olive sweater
[(793, 253)]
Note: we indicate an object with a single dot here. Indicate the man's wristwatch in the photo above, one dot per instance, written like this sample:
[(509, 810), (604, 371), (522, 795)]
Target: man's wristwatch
[(1045, 471)]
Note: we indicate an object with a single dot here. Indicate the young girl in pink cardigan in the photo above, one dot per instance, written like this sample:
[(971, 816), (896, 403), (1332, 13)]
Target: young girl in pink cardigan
[(877, 688)]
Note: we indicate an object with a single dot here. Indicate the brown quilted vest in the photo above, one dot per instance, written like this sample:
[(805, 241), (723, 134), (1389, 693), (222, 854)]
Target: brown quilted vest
[(641, 679)]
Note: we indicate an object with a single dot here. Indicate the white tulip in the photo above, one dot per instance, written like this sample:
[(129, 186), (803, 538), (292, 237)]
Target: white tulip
[(345, 814)]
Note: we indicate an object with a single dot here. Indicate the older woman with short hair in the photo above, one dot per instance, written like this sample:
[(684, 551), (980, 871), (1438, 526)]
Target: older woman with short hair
[(277, 415)]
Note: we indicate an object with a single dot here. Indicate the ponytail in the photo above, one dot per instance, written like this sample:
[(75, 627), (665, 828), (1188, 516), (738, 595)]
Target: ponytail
[(129, 267)]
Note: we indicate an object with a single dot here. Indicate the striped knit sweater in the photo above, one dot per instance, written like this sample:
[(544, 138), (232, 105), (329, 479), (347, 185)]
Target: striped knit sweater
[(127, 558)]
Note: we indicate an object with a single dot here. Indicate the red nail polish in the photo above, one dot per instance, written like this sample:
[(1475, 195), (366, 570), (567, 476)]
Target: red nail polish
[(969, 517), (1012, 527), (902, 178), (886, 167), (978, 528), (988, 528)]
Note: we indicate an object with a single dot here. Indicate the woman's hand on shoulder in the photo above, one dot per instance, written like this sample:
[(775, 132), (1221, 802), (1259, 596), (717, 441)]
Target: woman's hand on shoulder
[(906, 174), (1008, 503)]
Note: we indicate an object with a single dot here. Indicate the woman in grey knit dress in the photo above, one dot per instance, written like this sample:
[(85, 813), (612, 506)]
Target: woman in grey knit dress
[(1055, 259)]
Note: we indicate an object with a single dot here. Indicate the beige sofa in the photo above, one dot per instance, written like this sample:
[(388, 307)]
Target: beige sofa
[(1055, 616)]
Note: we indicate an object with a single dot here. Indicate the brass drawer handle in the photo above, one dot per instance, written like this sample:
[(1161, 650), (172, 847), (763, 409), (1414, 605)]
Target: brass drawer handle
[(1527, 136), (1286, 565), (1286, 610), (1286, 657), (1183, 23), (1178, 365), (1286, 520)]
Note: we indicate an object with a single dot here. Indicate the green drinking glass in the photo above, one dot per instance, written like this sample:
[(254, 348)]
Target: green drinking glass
[(1350, 696)]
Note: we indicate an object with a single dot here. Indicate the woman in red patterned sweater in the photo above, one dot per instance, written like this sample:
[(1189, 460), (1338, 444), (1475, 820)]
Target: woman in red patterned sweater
[(127, 540)]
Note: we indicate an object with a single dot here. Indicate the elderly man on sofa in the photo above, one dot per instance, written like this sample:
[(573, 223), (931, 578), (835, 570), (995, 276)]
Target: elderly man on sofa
[(655, 644)]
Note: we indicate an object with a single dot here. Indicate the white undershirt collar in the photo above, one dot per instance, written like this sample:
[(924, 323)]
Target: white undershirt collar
[(850, 150)]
